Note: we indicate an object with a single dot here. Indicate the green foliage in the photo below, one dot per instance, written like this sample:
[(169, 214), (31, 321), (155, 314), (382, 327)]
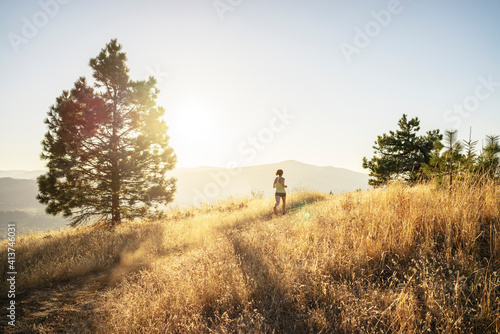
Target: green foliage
[(106, 147), (434, 168), (488, 161), (401, 154), (470, 154), (447, 163), (452, 163)]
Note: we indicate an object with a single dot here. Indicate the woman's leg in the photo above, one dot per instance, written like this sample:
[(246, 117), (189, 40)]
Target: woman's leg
[(284, 204), (276, 205)]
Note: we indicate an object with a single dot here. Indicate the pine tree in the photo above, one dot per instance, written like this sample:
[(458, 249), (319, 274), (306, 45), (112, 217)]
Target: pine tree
[(435, 168), (107, 147), (401, 154), (489, 162), (470, 154), (447, 163), (452, 156)]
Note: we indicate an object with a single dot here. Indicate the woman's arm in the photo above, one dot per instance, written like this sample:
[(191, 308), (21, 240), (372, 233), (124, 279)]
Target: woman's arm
[(274, 184), (283, 183)]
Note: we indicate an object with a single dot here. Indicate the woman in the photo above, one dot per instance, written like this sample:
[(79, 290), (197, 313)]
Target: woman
[(279, 184)]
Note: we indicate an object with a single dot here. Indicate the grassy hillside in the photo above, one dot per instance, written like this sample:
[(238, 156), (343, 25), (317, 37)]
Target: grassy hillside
[(397, 260), (194, 185)]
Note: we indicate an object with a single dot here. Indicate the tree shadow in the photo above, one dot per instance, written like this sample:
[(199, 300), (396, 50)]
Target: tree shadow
[(58, 308), (278, 308), (71, 302), (296, 206)]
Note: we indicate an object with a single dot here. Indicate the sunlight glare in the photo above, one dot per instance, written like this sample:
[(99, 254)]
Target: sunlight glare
[(194, 131)]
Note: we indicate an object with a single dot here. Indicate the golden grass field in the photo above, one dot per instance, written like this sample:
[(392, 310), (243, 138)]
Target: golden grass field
[(394, 260)]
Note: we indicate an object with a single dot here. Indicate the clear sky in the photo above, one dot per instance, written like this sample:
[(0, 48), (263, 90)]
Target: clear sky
[(248, 82)]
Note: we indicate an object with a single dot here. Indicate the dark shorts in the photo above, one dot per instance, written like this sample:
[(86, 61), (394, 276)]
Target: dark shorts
[(280, 194)]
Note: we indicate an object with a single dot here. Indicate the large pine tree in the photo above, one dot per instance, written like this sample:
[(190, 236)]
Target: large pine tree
[(107, 147)]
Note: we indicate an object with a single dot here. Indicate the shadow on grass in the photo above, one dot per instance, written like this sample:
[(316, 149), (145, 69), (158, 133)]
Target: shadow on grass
[(277, 307), (296, 206), (69, 302), (63, 308), (293, 205)]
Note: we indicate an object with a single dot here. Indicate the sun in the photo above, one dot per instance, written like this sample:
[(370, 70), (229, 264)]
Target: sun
[(193, 131)]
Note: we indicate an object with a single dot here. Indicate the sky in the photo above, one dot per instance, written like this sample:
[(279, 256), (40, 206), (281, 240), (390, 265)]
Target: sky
[(248, 82)]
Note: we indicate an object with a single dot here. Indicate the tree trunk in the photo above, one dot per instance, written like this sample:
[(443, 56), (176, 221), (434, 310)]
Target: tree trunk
[(115, 173), (115, 203)]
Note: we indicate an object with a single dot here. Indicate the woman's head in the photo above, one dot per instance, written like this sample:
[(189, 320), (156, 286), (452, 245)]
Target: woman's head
[(279, 172)]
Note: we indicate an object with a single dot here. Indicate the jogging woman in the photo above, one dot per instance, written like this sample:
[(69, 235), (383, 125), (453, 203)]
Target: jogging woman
[(279, 184)]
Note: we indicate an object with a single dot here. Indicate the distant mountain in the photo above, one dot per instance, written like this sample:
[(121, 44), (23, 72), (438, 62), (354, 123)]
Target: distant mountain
[(27, 221), (18, 194), (18, 205), (206, 184), (21, 174), (194, 186)]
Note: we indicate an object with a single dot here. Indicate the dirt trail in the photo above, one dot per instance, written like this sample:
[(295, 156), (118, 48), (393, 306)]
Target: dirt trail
[(63, 307)]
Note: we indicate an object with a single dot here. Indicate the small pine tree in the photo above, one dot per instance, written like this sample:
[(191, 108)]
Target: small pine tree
[(470, 154), (452, 162), (401, 154), (489, 162), (452, 156), (435, 168)]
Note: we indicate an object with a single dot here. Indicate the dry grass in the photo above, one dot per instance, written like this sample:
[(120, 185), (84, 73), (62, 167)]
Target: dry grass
[(395, 260)]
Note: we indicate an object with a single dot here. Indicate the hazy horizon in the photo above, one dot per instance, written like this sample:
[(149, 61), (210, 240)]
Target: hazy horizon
[(221, 167)]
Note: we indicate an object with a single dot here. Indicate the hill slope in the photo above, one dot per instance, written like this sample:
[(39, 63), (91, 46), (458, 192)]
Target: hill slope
[(395, 260), (194, 186)]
